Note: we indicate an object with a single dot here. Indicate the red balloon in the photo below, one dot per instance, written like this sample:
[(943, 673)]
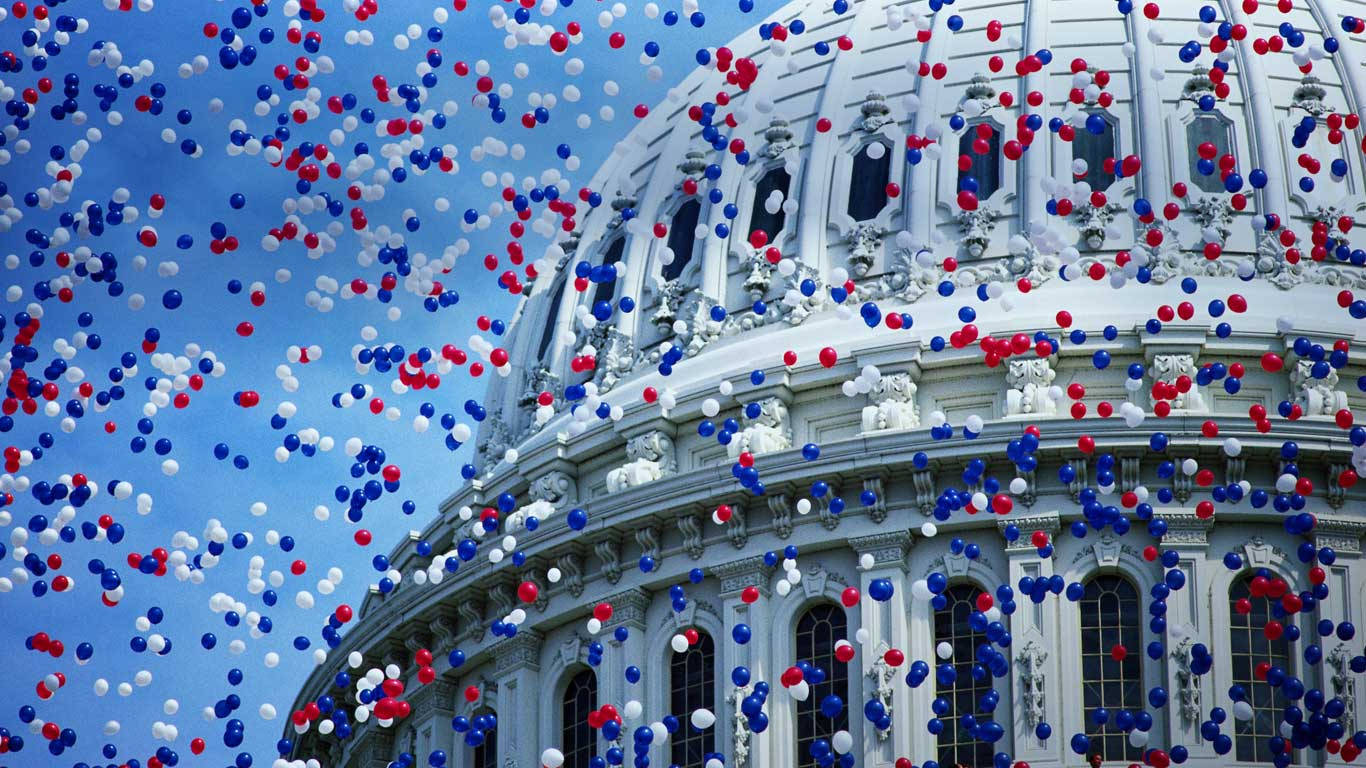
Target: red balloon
[(472, 693), (849, 597), (527, 592)]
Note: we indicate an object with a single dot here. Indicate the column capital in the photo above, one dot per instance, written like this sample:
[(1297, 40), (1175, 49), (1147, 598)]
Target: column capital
[(1185, 530), (1048, 522), (629, 607), (1343, 535), (521, 651), (749, 572), (887, 549)]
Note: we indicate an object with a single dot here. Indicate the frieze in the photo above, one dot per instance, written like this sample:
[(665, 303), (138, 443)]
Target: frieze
[(886, 548), (736, 575)]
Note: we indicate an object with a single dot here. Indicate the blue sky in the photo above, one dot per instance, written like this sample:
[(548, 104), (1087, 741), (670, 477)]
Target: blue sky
[(134, 156)]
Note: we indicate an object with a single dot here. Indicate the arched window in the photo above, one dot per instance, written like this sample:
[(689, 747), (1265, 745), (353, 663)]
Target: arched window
[(1111, 616), (604, 291), (868, 181), (957, 746), (818, 629), (486, 752), (552, 319), (775, 180), (577, 740), (981, 145), (682, 238), (1095, 149), (1248, 647), (1207, 128), (692, 686)]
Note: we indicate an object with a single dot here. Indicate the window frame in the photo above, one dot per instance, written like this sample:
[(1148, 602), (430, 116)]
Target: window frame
[(1133, 687), (807, 716), (981, 753), (1250, 626), (998, 155), (1116, 152), (579, 755), (701, 691)]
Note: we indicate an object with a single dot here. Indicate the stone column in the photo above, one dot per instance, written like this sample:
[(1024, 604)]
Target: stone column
[(1188, 624), (1037, 689), (517, 669), (742, 748), (887, 627), (376, 749), (434, 705), (628, 610), (1344, 537)]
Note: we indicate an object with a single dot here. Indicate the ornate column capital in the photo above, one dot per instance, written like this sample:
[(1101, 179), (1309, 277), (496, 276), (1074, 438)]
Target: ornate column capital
[(629, 607), (1343, 535), (521, 651), (735, 576), (1048, 522), (1184, 529), (887, 549)]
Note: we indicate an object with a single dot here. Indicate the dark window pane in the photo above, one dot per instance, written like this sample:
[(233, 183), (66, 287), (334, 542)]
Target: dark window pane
[(681, 239), (605, 291), (759, 218), (1095, 149), (578, 740), (486, 754), (951, 625), (1249, 647), (692, 686), (817, 632), (552, 318), (1110, 610), (1207, 128), (868, 183), (985, 168)]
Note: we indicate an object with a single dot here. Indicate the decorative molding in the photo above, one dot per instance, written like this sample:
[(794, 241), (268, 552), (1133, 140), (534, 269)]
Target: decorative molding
[(1168, 368), (1106, 550), (1182, 483), (1257, 553), (975, 227), (740, 726), (737, 528), (691, 530), (956, 566), (1334, 493), (893, 404), (877, 511), (1309, 95), (1048, 522), (864, 241), (780, 507), (830, 520), (647, 538), (1187, 683), (925, 490), (1093, 222), (1081, 467), (886, 548), (1033, 682), (739, 574), (608, 550), (777, 139), (1340, 534), (571, 572), (572, 651), (549, 493), (444, 634), (1185, 528), (882, 674), (875, 112), (628, 607), (1028, 380), (1130, 472)]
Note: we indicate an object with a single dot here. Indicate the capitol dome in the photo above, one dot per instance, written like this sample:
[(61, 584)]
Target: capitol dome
[(854, 163)]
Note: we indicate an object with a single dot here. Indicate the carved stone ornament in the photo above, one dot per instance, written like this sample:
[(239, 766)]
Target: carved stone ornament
[(1318, 397), (691, 530), (777, 139), (1197, 85), (1028, 380), (522, 651), (893, 404), (672, 294), (621, 202), (768, 432), (1093, 222), (1309, 96), (906, 277), (649, 457), (615, 353), (1033, 682), (494, 441), (740, 726), (548, 492), (882, 674), (864, 241), (571, 572), (981, 92), (693, 165), (975, 226), (780, 507), (875, 111), (1344, 685), (926, 493), (608, 552), (1213, 213), (1168, 367), (1187, 682)]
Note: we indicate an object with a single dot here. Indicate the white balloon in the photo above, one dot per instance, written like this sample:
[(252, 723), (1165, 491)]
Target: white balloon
[(928, 530), (842, 741), (783, 588), (1242, 710), (944, 651), (800, 691), (866, 561), (702, 719), (679, 643), (552, 758), (1138, 738), (920, 590)]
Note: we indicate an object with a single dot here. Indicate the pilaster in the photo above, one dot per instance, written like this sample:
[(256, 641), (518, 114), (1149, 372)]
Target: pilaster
[(887, 627), (517, 670), (1042, 680)]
